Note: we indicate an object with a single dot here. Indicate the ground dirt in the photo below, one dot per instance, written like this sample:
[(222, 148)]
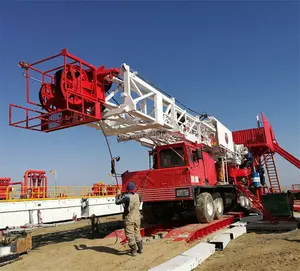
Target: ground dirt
[(258, 252), (72, 247)]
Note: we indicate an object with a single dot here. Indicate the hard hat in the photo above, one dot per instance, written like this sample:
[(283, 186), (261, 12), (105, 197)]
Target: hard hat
[(130, 186)]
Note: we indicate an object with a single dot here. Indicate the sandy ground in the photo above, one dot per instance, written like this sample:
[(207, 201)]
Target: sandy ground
[(259, 252), (71, 247)]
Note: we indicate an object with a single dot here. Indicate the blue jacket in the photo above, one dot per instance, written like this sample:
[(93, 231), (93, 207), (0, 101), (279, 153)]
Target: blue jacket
[(249, 157)]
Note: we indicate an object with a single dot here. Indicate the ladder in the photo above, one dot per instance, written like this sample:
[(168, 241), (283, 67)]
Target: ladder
[(256, 204), (269, 162)]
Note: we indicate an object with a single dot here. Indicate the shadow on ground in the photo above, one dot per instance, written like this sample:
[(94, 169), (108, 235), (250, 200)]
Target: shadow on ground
[(292, 240), (102, 249), (71, 235)]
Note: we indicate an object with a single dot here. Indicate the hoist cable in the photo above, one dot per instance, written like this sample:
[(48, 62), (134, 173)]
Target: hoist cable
[(110, 152)]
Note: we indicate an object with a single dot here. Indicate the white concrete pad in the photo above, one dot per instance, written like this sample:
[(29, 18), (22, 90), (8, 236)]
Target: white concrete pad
[(235, 232), (188, 260), (203, 249), (221, 241), (179, 263)]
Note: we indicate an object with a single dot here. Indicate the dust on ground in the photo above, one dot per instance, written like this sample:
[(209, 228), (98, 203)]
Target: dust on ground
[(72, 247)]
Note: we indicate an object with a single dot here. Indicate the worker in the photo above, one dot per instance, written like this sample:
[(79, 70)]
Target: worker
[(262, 176), (132, 219), (248, 160)]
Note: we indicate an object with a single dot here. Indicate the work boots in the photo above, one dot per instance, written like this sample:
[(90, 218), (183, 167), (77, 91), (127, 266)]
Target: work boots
[(133, 251), (140, 247)]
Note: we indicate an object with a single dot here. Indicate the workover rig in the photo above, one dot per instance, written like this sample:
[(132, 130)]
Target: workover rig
[(197, 165)]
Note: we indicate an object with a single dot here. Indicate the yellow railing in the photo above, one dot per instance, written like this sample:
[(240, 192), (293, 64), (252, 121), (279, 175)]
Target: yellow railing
[(13, 193)]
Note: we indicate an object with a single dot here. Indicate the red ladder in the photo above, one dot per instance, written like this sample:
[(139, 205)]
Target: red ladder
[(269, 162), (255, 202)]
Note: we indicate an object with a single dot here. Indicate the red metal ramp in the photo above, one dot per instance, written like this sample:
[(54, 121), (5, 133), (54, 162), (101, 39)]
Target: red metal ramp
[(187, 233), (193, 232), (287, 156)]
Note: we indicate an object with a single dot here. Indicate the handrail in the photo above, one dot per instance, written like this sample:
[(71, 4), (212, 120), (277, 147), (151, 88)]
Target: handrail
[(10, 193)]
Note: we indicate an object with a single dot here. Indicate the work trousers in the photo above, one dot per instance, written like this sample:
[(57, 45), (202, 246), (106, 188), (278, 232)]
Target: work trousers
[(132, 232)]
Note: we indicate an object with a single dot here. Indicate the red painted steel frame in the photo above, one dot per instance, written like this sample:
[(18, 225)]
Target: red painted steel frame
[(35, 184), (296, 187), (296, 208), (77, 79), (188, 233), (193, 232), (4, 186), (262, 140)]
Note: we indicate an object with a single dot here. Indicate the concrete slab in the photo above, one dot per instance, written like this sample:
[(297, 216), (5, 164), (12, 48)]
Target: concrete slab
[(188, 260), (203, 249), (179, 263), (221, 241), (266, 225), (235, 232)]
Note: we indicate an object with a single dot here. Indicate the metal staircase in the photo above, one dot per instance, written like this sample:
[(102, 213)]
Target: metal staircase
[(269, 162), (256, 204)]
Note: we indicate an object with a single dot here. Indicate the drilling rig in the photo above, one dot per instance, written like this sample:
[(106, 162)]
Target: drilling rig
[(197, 164)]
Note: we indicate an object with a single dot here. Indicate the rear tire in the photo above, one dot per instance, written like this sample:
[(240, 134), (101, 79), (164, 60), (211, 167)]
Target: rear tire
[(205, 208), (219, 205)]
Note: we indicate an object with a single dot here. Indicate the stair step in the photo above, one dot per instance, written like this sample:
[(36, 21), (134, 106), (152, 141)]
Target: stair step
[(255, 201)]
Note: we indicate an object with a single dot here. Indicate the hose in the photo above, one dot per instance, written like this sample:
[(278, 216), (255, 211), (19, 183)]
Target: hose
[(110, 152)]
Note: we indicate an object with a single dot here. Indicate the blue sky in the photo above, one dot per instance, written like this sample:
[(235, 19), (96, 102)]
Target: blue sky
[(230, 59)]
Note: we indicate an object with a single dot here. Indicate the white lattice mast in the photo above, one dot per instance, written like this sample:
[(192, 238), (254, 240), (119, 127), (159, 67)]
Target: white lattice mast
[(153, 118)]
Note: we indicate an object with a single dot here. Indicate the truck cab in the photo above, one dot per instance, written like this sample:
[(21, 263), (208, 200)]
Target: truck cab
[(177, 175)]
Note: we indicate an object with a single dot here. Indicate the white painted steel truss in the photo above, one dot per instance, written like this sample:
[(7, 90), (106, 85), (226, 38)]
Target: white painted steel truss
[(148, 116)]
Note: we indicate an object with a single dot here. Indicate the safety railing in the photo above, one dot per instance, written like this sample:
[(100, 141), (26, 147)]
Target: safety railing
[(21, 193), (296, 187)]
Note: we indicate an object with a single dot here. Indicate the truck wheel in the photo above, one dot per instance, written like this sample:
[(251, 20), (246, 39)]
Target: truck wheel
[(205, 208), (219, 205)]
